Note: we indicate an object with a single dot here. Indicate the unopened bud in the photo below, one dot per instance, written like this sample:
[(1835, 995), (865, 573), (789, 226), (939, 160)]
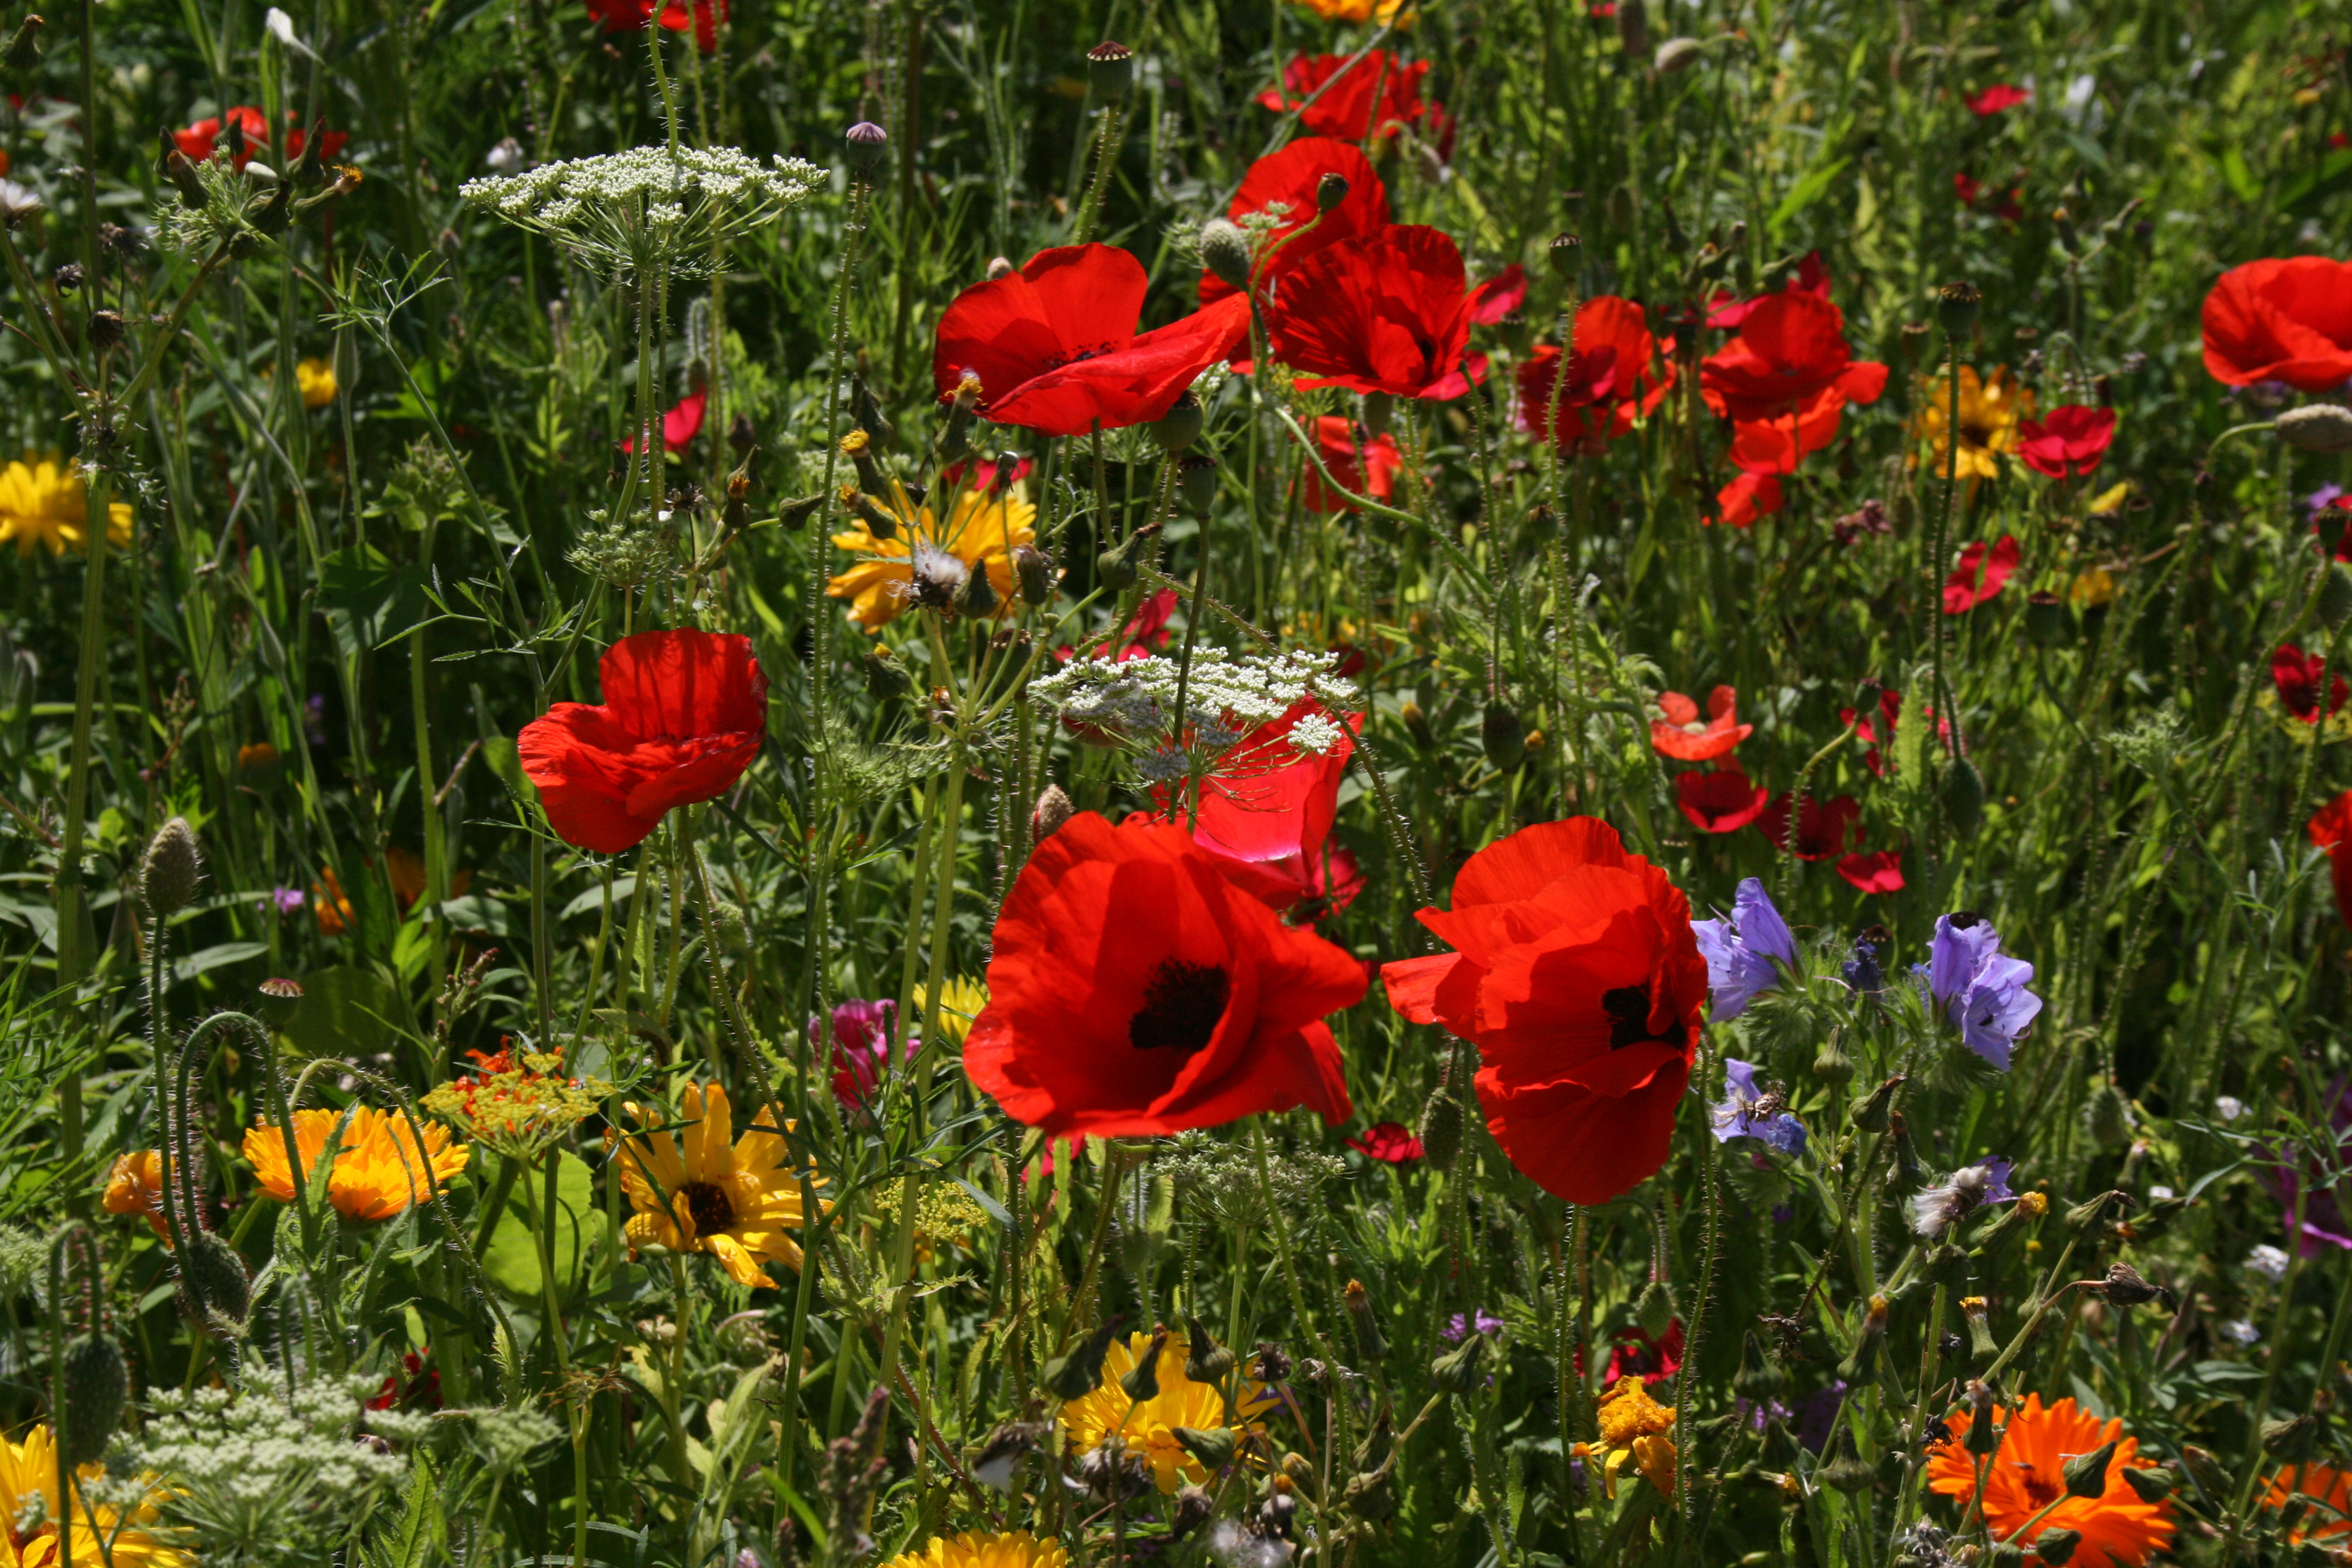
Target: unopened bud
[(96, 1385), (978, 597), (1331, 191), (2316, 427), (2335, 597), (2055, 1546), (170, 870), (1675, 53), (1213, 1447), (1760, 1376), (1121, 567), (865, 144), (24, 50), (1367, 1320), (1205, 1361), (1862, 1362), (1078, 1371), (1142, 1382), (1653, 1308), (1456, 1371), (2084, 1217), (1111, 70), (2150, 1483), (1226, 251), (219, 1292), (1847, 1470), (1035, 572), (1964, 796), (1379, 408), (886, 677), (1983, 1438), (1877, 1110), (1052, 809), (2086, 1474), (1832, 1065), (869, 512), (1503, 736), (1441, 1129)]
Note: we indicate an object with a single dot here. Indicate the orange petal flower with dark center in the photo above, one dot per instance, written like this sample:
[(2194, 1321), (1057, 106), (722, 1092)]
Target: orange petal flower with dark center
[(1681, 736), (1575, 973), (1136, 991), (2027, 1474)]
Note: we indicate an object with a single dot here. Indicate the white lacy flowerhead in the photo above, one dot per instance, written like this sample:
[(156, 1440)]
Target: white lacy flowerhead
[(647, 206), (1225, 697)]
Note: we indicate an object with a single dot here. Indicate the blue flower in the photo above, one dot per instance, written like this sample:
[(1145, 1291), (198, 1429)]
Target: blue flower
[(1745, 1112), (1980, 989), (1741, 950)]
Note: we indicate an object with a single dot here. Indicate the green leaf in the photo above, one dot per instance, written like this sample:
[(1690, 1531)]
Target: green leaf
[(581, 1227), (345, 1011), (367, 599), (2241, 179), (1806, 191)]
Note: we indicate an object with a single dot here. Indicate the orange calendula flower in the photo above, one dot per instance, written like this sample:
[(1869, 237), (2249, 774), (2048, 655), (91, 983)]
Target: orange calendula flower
[(2027, 1474), (28, 1470), (379, 1169), (1149, 1428), (1355, 10), (2326, 1493), (135, 1185), (404, 867), (1634, 1428), (709, 1192)]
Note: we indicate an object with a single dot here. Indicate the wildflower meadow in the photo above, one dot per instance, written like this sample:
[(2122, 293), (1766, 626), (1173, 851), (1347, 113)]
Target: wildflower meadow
[(1068, 784)]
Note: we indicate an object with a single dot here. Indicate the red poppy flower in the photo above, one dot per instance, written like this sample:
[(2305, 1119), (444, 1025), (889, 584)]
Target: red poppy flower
[(2297, 675), (2331, 829), (630, 16), (1763, 449), (1576, 975), (1500, 295), (1145, 634), (2282, 320), (1966, 186), (1633, 1353), (1103, 1022), (1750, 495), (1381, 312), (1722, 800), (684, 714), (1890, 704), (1996, 98), (1681, 736), (681, 423), (1341, 94), (1613, 375), (1790, 348), (2071, 443), (1336, 440), (983, 473), (1880, 871), (199, 140), (1291, 178), (1824, 827), (1981, 574), (1055, 347), (1390, 1143), (1268, 810), (1727, 311)]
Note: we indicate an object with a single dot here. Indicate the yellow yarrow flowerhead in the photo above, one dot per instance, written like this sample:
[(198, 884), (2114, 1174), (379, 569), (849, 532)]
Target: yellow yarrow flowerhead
[(42, 502), (29, 1469), (1990, 410), (315, 379), (1149, 1428), (983, 532), (960, 1000), (378, 1169), (709, 1192), (1013, 1549), (1636, 1427)]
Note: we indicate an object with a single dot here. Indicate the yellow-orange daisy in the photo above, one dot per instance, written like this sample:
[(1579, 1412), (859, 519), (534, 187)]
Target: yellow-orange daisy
[(711, 1192), (981, 534), (29, 1469), (379, 1169), (1149, 1428), (135, 1185), (2027, 1474)]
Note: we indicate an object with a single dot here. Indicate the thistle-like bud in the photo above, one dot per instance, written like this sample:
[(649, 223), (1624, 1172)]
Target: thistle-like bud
[(1036, 572), (1676, 54), (1111, 70), (978, 597), (1956, 306), (1978, 1314), (1078, 1372), (1143, 1382), (2086, 1474), (1052, 809), (1440, 1130), (1566, 252), (877, 519), (1760, 1376), (2335, 597), (1877, 1110), (1964, 796), (2150, 1483), (1205, 1361), (1226, 251), (2055, 1546), (218, 1290), (1331, 191), (96, 1385), (1832, 1065), (1370, 1342), (170, 870), (1503, 736), (2316, 427), (1180, 426), (865, 144), (1213, 1447), (24, 50), (1456, 1371), (2045, 619)]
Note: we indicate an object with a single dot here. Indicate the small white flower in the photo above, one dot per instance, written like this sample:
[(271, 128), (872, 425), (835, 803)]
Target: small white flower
[(2268, 1261), (2242, 1332), (2158, 1191), (1316, 733), (505, 158), (2229, 1108)]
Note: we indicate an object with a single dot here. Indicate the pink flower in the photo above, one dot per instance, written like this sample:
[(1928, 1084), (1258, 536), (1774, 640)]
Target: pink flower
[(1996, 98), (2071, 443)]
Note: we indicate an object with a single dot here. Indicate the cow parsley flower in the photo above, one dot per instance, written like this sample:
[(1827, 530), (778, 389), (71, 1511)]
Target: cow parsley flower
[(646, 208), (1128, 703)]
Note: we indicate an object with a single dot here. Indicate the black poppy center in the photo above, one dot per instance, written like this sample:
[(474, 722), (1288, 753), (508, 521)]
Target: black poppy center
[(1628, 1007), (711, 1208), (1966, 920), (1089, 351), (1180, 1007)]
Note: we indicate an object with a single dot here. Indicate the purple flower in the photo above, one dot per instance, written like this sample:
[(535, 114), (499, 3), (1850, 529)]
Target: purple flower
[(1936, 1209), (286, 900), (1980, 988), (1747, 1111), (1741, 950), (861, 1048), (2324, 1220), (1459, 1328), (1817, 1416), (2323, 496)]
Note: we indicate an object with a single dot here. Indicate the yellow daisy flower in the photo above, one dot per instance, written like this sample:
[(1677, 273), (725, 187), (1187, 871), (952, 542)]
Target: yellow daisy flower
[(960, 1000), (1990, 410), (42, 502), (1013, 1549), (731, 1198), (1636, 1427), (983, 531), (378, 1169), (29, 1469), (1149, 1428), (315, 379)]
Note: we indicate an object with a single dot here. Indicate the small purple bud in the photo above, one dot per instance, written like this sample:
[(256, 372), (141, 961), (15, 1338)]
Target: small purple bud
[(868, 144)]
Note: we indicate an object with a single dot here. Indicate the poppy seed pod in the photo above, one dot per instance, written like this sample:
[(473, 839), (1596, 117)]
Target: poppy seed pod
[(1111, 70), (2055, 1546), (1142, 1382), (1566, 251), (170, 870), (1054, 808), (2045, 619), (1456, 1371), (866, 144), (1675, 53), (1331, 191), (1000, 268), (1503, 736), (1036, 571), (24, 50), (1964, 796), (2317, 427), (2335, 597), (1205, 1361), (1957, 307), (1077, 1372), (1180, 426), (1196, 477), (1226, 251), (1213, 1447), (95, 1384), (2086, 1474)]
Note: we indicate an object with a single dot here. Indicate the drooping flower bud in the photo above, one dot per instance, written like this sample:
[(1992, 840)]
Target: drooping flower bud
[(1964, 795), (1331, 191), (1078, 1372), (1142, 1382), (1213, 1447), (1226, 251), (1121, 567), (1456, 1371), (1502, 735), (1180, 426), (1379, 408), (170, 870), (2107, 1117), (1957, 307), (219, 1293), (1036, 571), (1196, 477), (866, 144), (2150, 1483), (2086, 1474), (1205, 1361), (2317, 427), (1653, 1308), (1370, 1342), (1111, 70), (96, 1385), (1847, 1470), (1054, 808)]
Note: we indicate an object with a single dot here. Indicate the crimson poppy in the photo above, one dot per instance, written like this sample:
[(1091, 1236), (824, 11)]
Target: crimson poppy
[(681, 423), (1763, 449), (2297, 675), (684, 714), (1338, 441), (2071, 443), (1720, 800), (1824, 827), (983, 472), (1101, 1022), (1334, 97), (1880, 871), (1792, 348), (1145, 634), (1390, 1143), (1981, 574), (1751, 495), (1292, 178), (1635, 1354), (631, 16), (1055, 347), (1890, 704), (1381, 312), (1268, 810), (2331, 829), (197, 141), (1576, 973), (2285, 320), (1727, 311), (1613, 375), (1993, 99), (1681, 736), (1500, 295)]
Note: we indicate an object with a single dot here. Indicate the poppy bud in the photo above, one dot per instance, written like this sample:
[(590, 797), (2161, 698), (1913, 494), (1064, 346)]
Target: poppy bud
[(2335, 597), (1653, 1308), (1213, 1447), (879, 522), (1964, 795), (999, 267), (96, 1385), (1180, 426), (1037, 573), (1052, 809), (1366, 1322), (978, 597), (2150, 1483), (2086, 1474), (1226, 251), (1566, 251), (1078, 1372), (1760, 1377), (1456, 1371), (170, 870), (1111, 70), (2317, 427), (1634, 27), (1502, 735), (1205, 1361), (2045, 619), (2106, 1117), (1331, 191), (1440, 1130), (105, 329), (2055, 1546), (24, 50), (1956, 306), (1143, 1382), (218, 1290), (1378, 407), (866, 145), (1875, 1111), (1196, 476), (1119, 566), (1675, 53)]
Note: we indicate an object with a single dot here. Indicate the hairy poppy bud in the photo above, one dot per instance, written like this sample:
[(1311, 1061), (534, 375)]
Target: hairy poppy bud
[(2045, 619), (2317, 427), (1052, 809), (1213, 1447), (1142, 1382), (1331, 191), (2086, 1474), (1456, 1371), (1441, 1129), (1653, 1308), (24, 50), (1196, 477), (1877, 1110), (1675, 53), (219, 1293), (1180, 426), (1111, 70), (2335, 597), (1370, 1341), (1634, 27), (1000, 268), (1503, 736), (170, 870), (1036, 572), (1379, 408), (1078, 1372), (1956, 305), (2150, 1483), (1226, 251), (1121, 567), (866, 145), (1964, 796), (2054, 1546), (96, 1385), (1205, 1361), (2106, 1117)]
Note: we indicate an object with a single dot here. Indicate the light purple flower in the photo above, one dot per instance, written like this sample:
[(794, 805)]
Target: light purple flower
[(1971, 1187), (1735, 1116), (285, 900), (1458, 1328), (1740, 950), (1980, 988), (2324, 495)]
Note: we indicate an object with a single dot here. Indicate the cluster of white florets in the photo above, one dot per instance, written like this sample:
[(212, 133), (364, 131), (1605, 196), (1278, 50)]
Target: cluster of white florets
[(648, 205)]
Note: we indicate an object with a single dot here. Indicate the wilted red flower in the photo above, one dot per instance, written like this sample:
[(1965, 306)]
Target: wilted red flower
[(684, 714), (681, 423), (630, 16), (2071, 443), (1292, 177), (2297, 675), (1100, 1022), (199, 140), (1576, 975), (2331, 829), (1267, 812), (1336, 440), (1727, 311), (1055, 347), (1993, 99), (1381, 312), (1880, 871), (1341, 95), (1723, 800), (1681, 736), (2282, 320), (1792, 348), (1824, 828), (1390, 1143), (1613, 375), (1981, 574)]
